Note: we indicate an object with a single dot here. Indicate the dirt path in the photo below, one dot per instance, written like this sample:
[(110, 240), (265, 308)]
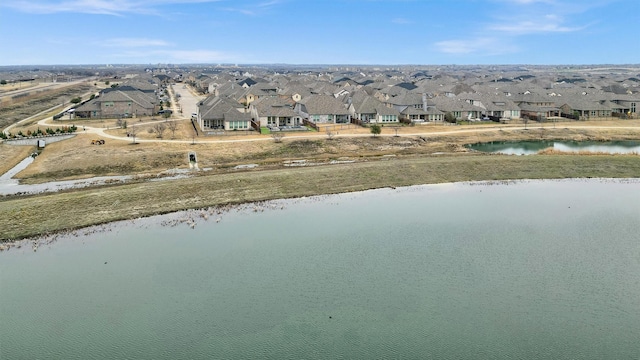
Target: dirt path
[(427, 132)]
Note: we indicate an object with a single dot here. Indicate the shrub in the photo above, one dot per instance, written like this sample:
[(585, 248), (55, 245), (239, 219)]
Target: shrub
[(376, 129), (448, 117)]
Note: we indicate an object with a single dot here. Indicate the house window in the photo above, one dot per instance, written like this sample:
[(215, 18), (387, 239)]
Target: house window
[(271, 120), (315, 118), (235, 125), (593, 113), (633, 107), (457, 114)]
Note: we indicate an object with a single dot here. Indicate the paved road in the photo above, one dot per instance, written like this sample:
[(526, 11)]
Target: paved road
[(188, 101)]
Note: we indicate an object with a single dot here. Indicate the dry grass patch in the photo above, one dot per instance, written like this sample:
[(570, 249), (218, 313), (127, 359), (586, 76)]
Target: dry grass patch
[(11, 155), (25, 106)]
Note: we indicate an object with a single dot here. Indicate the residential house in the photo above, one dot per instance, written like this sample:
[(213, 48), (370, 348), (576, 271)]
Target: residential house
[(586, 107), (221, 113), (535, 106), (368, 109), (461, 109), (494, 106), (626, 104), (118, 103), (275, 112), (323, 109)]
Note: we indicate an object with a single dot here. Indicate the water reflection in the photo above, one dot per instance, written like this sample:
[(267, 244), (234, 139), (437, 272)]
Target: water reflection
[(533, 147)]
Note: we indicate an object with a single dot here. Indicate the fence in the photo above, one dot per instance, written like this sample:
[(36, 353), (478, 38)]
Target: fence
[(310, 124), (570, 116)]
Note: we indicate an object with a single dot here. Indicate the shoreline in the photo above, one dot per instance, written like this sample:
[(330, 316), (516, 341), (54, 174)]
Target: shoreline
[(26, 217), (191, 218)]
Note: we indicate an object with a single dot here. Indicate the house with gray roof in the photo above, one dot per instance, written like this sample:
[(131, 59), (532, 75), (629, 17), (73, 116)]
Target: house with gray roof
[(459, 108), (368, 109), (585, 106), (626, 104), (534, 105), (323, 109), (118, 103), (220, 113), (275, 112)]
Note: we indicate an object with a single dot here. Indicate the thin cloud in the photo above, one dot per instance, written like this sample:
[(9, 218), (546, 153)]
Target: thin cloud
[(532, 27), (241, 11), (134, 43), (101, 7), (255, 10)]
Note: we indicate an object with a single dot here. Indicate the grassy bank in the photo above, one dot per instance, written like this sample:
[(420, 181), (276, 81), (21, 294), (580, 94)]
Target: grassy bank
[(37, 215)]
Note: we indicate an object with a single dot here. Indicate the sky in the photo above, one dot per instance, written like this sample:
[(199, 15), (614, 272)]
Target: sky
[(365, 32)]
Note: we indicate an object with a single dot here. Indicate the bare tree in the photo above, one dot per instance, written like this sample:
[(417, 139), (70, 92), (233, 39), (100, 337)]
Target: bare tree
[(277, 136), (172, 126), (330, 134), (133, 131), (159, 129)]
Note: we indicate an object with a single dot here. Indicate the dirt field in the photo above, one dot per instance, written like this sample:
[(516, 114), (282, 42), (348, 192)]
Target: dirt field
[(14, 110)]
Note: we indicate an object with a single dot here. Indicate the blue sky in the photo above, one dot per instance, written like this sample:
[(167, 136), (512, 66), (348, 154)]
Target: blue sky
[(42, 32)]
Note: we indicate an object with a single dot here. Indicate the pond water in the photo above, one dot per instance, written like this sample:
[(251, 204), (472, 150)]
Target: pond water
[(533, 147), (532, 269)]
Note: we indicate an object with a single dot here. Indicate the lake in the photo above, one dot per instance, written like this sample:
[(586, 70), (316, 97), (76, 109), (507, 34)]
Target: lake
[(533, 147), (528, 269)]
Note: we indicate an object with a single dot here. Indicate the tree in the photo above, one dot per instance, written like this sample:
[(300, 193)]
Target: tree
[(159, 129), (172, 126), (133, 131), (106, 82), (277, 136), (448, 117), (93, 96), (330, 134), (376, 130), (76, 100), (3, 82)]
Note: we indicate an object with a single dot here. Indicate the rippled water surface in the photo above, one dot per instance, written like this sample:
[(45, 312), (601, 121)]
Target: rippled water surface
[(541, 269)]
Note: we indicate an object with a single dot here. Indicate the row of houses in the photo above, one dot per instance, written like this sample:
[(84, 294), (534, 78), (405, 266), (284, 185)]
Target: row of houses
[(269, 106)]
